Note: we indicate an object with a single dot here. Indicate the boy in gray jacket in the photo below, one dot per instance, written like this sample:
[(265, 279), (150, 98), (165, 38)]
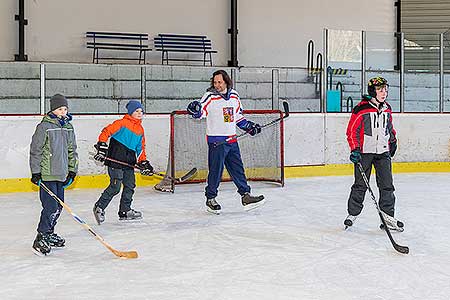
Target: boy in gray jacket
[(54, 162)]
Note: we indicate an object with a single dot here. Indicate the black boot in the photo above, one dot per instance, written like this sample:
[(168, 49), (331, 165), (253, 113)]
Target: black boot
[(349, 221), (130, 215), (99, 214), (55, 240), (40, 245), (251, 202), (212, 206)]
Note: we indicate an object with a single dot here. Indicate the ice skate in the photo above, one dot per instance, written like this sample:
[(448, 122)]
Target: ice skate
[(130, 215), (348, 222), (99, 214), (212, 206), (251, 202), (392, 223), (40, 245), (165, 186), (55, 240)]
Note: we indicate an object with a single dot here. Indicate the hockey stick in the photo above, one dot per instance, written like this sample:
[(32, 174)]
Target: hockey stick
[(286, 114), (183, 178), (401, 249), (123, 254)]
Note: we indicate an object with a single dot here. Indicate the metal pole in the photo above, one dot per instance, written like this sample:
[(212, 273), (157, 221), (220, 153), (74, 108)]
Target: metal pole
[(275, 89), (441, 72), (324, 72), (144, 86), (363, 61), (42, 81), (233, 77), (402, 72), (22, 22), (233, 31), (398, 6)]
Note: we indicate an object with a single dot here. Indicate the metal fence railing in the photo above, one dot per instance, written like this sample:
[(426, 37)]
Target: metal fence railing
[(417, 67)]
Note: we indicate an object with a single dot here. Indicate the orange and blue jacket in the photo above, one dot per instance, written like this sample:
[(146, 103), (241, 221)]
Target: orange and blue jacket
[(127, 141)]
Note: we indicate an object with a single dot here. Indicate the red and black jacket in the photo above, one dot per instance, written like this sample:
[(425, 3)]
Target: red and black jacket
[(370, 127)]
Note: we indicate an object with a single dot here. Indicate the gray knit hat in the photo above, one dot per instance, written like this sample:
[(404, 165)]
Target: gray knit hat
[(57, 101)]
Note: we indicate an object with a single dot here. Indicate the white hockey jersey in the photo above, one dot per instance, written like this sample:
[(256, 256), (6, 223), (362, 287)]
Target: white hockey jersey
[(222, 113)]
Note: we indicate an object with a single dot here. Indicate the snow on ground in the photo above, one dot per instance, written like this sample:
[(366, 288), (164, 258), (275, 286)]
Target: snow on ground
[(292, 248)]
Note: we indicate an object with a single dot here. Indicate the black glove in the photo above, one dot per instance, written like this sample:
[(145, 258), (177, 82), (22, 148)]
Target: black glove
[(145, 167), (195, 109), (392, 148), (69, 179), (253, 128), (36, 178), (355, 156), (102, 150)]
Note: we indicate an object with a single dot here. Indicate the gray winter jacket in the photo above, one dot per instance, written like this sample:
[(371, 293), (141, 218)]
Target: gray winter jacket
[(53, 149)]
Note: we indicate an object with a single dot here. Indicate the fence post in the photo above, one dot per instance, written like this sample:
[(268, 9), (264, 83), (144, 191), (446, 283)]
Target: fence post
[(324, 73), (233, 76), (363, 61), (402, 72), (441, 72), (144, 87), (42, 90), (275, 89)]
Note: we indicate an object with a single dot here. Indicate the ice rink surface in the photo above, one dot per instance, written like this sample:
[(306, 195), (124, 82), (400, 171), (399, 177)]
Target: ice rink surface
[(294, 247)]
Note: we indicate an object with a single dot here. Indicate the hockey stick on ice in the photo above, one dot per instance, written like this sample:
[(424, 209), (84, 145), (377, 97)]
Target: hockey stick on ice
[(123, 254), (401, 249), (183, 178), (286, 114)]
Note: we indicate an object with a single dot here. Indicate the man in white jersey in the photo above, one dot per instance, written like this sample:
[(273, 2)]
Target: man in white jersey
[(222, 108)]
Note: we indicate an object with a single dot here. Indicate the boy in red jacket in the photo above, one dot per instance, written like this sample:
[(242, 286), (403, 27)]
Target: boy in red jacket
[(372, 140)]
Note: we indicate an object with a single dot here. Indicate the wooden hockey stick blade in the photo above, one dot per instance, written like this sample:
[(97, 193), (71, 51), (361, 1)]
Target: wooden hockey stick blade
[(124, 254)]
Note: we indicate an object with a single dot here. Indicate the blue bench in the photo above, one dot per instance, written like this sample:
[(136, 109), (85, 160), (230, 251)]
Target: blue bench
[(186, 44), (121, 41)]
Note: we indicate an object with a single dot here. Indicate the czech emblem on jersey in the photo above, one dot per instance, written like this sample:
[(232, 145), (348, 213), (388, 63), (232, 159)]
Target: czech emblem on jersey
[(228, 115)]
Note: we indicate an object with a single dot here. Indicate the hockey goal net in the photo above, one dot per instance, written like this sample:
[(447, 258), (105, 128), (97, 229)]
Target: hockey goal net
[(262, 155)]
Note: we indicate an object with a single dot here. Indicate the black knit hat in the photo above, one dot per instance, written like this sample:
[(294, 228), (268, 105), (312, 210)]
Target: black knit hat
[(57, 101)]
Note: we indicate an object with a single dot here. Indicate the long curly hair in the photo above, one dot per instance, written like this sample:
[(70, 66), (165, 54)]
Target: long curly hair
[(225, 77)]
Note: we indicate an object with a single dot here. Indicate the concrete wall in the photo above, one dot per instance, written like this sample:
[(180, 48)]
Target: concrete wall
[(104, 88), (310, 139), (271, 33)]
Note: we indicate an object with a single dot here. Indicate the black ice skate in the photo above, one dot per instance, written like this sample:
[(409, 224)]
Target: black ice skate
[(392, 223), (54, 240), (251, 202), (130, 215), (212, 206), (41, 246), (99, 214), (349, 221)]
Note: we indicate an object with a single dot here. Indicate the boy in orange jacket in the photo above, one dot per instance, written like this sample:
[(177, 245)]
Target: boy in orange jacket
[(127, 145)]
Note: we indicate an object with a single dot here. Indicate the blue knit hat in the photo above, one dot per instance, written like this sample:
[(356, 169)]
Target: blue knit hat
[(132, 105)]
